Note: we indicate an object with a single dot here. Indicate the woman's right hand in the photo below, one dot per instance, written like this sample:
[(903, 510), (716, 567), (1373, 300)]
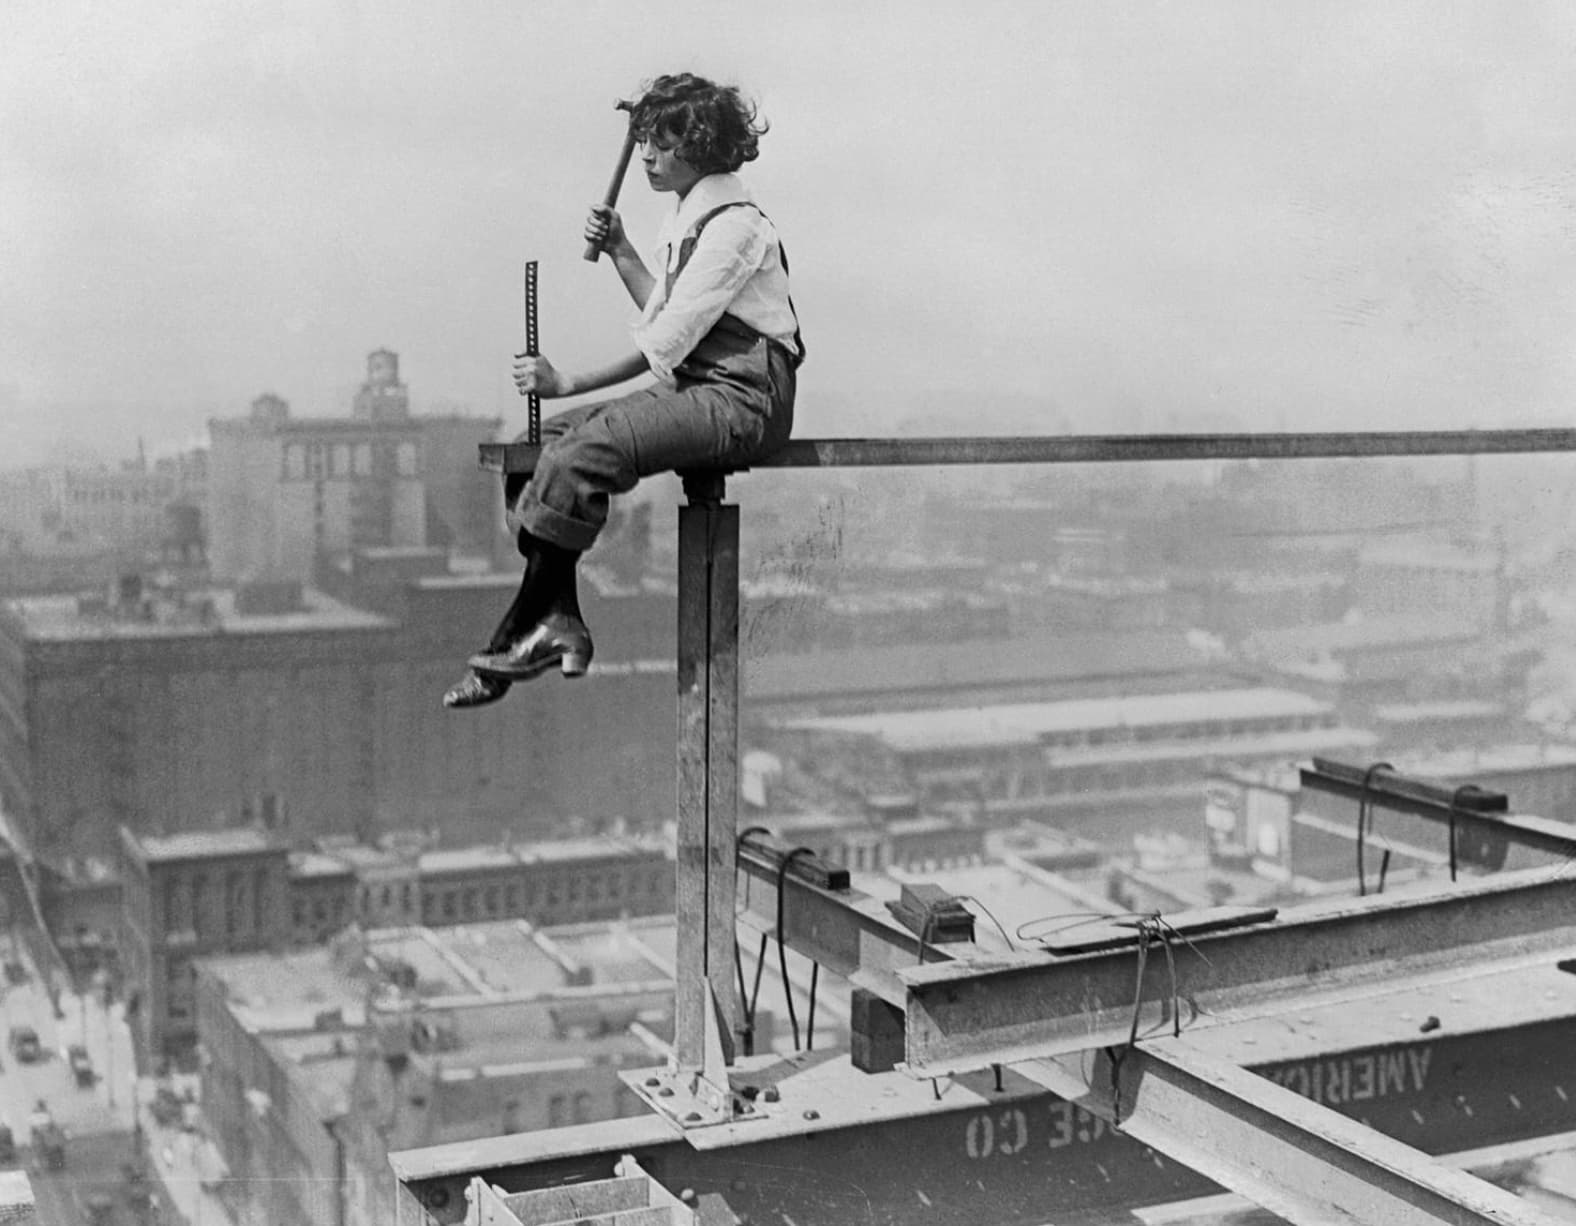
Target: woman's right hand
[(605, 228)]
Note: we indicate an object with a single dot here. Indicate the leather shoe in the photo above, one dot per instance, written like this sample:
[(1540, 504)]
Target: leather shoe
[(475, 690), (559, 638)]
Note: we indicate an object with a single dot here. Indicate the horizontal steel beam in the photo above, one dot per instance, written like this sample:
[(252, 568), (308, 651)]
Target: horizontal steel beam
[(963, 1015), (1302, 1161), (847, 931), (1414, 796), (1118, 448)]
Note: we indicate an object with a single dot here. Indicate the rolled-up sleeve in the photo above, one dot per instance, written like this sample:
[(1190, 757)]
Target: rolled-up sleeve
[(730, 250)]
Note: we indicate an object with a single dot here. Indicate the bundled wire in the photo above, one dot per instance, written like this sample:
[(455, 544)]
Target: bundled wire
[(1151, 929), (1364, 820), (1465, 790), (782, 949)]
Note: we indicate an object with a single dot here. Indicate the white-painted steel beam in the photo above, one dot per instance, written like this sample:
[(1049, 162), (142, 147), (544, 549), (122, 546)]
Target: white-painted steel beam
[(1302, 1161), (966, 1015)]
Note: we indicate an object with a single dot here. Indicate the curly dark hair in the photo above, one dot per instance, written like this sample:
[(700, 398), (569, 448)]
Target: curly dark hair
[(713, 127)]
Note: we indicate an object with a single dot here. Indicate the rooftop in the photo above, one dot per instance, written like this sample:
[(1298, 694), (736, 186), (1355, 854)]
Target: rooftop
[(1465, 763), (1368, 632), (1036, 659), (316, 864), (1395, 713), (462, 859), (59, 619), (1028, 723), (202, 844), (271, 992)]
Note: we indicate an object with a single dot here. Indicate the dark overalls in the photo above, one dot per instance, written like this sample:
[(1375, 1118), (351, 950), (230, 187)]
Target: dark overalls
[(731, 404)]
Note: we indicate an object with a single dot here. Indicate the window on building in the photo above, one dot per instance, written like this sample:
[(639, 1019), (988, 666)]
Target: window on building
[(582, 1108), (511, 899), (557, 1111), (363, 459), (386, 897), (468, 903), (405, 460), (342, 460), (320, 911), (490, 900), (449, 911)]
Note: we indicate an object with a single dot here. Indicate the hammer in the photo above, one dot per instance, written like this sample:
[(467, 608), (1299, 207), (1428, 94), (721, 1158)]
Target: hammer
[(593, 250)]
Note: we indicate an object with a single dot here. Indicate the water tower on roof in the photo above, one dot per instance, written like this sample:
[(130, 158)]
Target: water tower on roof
[(382, 397)]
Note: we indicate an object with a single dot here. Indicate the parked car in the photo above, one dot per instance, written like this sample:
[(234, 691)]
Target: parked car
[(49, 1146), (81, 1065), (25, 1045), (166, 1107), (98, 1208)]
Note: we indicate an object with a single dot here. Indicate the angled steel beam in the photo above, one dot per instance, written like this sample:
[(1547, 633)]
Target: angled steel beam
[(964, 1015), (1118, 448), (1302, 1161), (1436, 802)]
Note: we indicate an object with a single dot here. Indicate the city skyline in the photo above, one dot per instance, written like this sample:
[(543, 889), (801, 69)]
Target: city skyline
[(1001, 216)]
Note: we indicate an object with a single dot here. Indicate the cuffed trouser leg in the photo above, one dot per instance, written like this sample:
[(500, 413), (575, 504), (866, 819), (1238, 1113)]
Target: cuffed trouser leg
[(739, 414)]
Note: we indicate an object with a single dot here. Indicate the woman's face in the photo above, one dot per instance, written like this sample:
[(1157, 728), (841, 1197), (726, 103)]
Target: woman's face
[(665, 170)]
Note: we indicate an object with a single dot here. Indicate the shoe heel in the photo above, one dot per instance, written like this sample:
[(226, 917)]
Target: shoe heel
[(575, 664)]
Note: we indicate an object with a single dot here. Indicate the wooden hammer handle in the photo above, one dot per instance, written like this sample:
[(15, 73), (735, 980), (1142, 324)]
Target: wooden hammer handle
[(594, 250)]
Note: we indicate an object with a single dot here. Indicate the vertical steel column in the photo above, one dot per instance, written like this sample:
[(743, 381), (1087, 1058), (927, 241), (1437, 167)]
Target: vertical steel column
[(708, 766)]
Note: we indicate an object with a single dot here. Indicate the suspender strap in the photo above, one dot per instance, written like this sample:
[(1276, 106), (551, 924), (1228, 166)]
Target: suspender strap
[(687, 249)]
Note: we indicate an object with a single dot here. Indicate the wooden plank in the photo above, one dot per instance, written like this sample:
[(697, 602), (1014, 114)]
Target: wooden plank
[(1120, 448)]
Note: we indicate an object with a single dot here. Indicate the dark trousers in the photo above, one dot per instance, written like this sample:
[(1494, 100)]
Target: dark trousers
[(731, 404)]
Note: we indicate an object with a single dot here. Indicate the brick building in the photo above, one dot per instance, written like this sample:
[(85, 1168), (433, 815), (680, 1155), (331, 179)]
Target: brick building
[(185, 896), (241, 890)]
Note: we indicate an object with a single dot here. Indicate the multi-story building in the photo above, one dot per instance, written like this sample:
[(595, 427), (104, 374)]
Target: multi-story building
[(180, 897), (319, 1063), (555, 881), (283, 490), (185, 896), (1110, 767), (1429, 578), (168, 710), (125, 508), (1398, 658)]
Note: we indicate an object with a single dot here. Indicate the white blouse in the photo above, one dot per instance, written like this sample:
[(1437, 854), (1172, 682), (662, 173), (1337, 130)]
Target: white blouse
[(736, 267)]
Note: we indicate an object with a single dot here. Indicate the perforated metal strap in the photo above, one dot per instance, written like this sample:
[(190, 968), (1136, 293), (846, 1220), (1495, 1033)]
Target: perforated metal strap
[(532, 343)]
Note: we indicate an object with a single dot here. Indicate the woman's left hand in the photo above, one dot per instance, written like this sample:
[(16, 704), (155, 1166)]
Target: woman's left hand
[(537, 374)]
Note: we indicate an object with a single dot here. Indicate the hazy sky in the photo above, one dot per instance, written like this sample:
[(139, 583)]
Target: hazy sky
[(1000, 215)]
